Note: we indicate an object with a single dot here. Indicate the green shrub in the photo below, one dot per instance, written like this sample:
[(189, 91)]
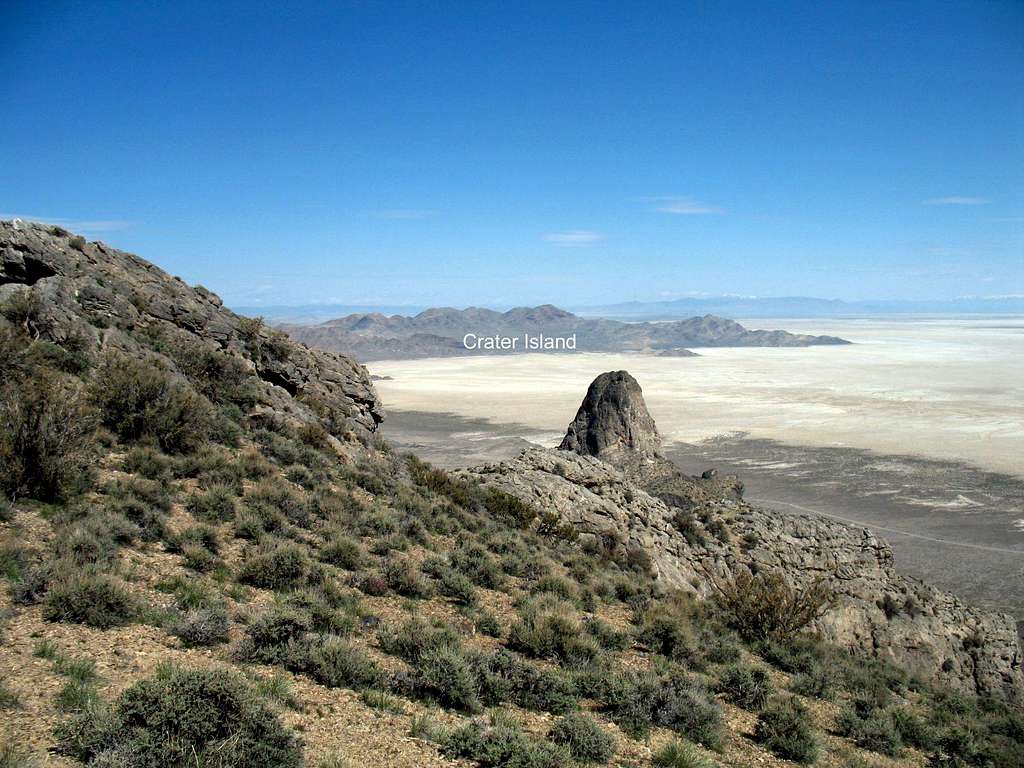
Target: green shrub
[(585, 739), (216, 505), (501, 743), (405, 578), (679, 754), (744, 686), (410, 640), (203, 626), (819, 682), (272, 637), (765, 606), (276, 565), (12, 756), (638, 701), (147, 462), (458, 587), (47, 442), (182, 717), (551, 629), (343, 551), (870, 727), (339, 664), (140, 399), (477, 565), (92, 599), (487, 623), (785, 728), (444, 675), (8, 699), (504, 676)]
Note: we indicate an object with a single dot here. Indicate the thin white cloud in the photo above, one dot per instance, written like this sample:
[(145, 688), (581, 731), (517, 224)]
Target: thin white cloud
[(685, 206), (405, 213), (956, 200), (574, 238), (75, 225)]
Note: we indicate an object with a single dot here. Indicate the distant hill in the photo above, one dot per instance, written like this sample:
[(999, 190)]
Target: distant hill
[(440, 332), (801, 306)]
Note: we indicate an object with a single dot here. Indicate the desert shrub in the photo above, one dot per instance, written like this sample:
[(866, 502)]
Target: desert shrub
[(638, 701), (300, 475), (679, 754), (504, 676), (584, 738), (216, 505), (609, 638), (147, 462), (276, 565), (916, 732), (372, 584), (221, 377), (8, 699), (30, 586), (501, 743), (203, 626), (870, 726), (337, 663), (549, 628), (414, 637), (271, 637), (281, 499), (12, 756), (94, 538), (378, 699), (47, 438), (745, 686), (691, 530), (666, 628), (784, 727), (195, 535), (508, 508), (476, 563), (487, 623), (765, 606), (324, 611), (818, 682), (95, 600), (182, 717), (444, 674), (555, 585), (139, 399), (458, 587), (405, 578)]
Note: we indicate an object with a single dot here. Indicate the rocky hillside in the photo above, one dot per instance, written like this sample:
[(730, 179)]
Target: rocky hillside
[(644, 499), (210, 559), (440, 331)]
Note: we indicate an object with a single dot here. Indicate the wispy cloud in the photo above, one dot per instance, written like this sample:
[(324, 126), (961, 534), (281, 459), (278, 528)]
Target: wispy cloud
[(405, 213), (956, 200), (574, 238), (684, 206), (75, 225)]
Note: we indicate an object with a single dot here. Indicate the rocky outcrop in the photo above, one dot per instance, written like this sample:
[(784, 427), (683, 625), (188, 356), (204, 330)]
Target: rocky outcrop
[(88, 296), (697, 532), (613, 423)]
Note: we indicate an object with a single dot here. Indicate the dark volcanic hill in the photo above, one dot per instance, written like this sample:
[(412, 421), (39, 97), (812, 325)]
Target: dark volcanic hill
[(440, 331)]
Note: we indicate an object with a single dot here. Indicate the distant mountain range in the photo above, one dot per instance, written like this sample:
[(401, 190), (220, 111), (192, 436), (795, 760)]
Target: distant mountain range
[(442, 332), (801, 306)]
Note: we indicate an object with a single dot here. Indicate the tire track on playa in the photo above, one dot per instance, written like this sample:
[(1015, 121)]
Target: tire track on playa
[(872, 526)]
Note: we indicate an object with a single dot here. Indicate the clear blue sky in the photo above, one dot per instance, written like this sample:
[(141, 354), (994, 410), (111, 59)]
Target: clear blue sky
[(505, 153)]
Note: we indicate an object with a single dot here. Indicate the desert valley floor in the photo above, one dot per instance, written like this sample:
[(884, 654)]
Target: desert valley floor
[(916, 430)]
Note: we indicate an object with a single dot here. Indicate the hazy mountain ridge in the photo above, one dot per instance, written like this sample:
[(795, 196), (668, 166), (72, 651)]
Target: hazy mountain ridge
[(439, 332)]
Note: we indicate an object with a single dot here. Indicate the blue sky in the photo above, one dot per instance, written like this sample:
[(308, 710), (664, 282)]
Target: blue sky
[(508, 153)]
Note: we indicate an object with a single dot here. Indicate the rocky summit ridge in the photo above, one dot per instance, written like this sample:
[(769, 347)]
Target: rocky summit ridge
[(95, 297), (608, 480)]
